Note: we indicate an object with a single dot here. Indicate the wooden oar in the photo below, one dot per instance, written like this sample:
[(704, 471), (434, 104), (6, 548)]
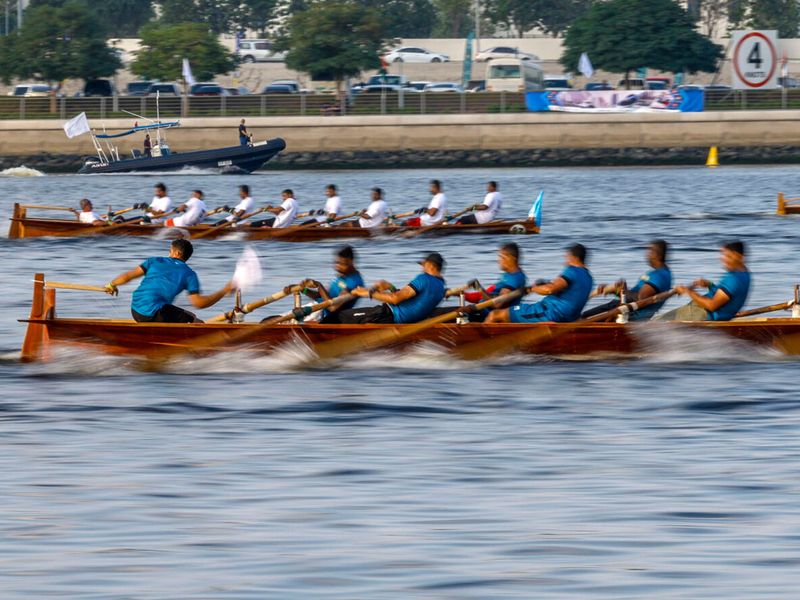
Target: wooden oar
[(103, 230), (61, 285), (764, 309), (251, 306), (285, 231), (456, 291), (47, 207), (219, 341), (529, 336), (210, 230), (391, 335), (116, 213)]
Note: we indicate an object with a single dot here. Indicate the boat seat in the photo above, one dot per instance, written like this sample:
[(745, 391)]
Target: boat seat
[(136, 153)]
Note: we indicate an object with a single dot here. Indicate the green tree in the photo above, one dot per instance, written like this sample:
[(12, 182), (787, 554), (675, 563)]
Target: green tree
[(58, 43), (334, 40), (258, 15), (551, 16), (456, 18), (405, 18), (220, 16), (118, 18), (783, 15), (665, 38), (165, 46)]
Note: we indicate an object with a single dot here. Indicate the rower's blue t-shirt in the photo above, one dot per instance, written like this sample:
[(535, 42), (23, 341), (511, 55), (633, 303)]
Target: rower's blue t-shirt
[(343, 284), (511, 281), (660, 280), (430, 291), (736, 284), (164, 278), (566, 305)]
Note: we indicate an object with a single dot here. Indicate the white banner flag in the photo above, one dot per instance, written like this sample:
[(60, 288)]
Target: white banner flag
[(585, 65), (187, 72), (77, 126)]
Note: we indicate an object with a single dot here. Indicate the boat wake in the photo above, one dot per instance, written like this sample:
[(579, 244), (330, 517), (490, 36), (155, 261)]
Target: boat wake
[(21, 171)]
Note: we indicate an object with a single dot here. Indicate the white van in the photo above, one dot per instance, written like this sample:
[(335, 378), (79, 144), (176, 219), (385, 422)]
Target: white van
[(251, 51), (513, 75)]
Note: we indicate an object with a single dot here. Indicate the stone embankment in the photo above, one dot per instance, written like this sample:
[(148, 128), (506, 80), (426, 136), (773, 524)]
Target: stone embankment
[(523, 139)]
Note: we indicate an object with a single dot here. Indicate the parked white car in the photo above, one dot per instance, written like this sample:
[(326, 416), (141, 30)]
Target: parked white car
[(415, 54), (251, 51), (444, 87), (30, 90), (503, 52)]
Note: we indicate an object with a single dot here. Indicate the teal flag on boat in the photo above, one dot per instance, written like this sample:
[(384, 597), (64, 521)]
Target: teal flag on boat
[(466, 75), (535, 212)]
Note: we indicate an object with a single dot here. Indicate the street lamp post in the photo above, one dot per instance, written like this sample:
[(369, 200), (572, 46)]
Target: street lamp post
[(477, 26)]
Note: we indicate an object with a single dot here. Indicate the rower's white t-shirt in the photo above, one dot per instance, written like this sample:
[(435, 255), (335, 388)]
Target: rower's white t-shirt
[(333, 205), (88, 217), (439, 201), (195, 211), (286, 217), (493, 201), (246, 206), (376, 215), (161, 204)]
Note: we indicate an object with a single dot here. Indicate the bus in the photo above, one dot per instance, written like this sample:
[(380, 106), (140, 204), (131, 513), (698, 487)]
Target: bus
[(513, 75)]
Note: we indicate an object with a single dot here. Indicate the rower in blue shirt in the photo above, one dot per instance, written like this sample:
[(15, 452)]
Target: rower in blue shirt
[(564, 297), (347, 279), (657, 280), (164, 278), (412, 303), (723, 299)]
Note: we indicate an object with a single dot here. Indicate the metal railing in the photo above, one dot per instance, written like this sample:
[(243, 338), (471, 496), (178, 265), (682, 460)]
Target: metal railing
[(325, 104), (262, 105)]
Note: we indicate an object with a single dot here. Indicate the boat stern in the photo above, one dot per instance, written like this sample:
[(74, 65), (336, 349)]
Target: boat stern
[(17, 228), (37, 338)]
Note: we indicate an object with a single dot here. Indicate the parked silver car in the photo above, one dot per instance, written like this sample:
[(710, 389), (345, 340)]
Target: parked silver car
[(415, 54), (251, 51)]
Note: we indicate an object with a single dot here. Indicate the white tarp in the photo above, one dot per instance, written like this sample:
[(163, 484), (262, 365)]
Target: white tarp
[(187, 72)]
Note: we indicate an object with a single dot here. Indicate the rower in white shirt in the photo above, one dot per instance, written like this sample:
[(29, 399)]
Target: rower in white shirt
[(244, 207), (375, 214), (86, 214), (159, 205), (192, 212), (332, 208), (436, 210), (284, 214), (487, 211)]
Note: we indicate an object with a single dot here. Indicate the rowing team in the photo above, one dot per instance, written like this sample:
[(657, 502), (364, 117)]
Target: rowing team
[(194, 210), (564, 297)]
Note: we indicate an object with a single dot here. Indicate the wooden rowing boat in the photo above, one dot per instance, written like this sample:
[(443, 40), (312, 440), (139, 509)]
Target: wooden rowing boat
[(787, 206), (146, 340), (23, 226)]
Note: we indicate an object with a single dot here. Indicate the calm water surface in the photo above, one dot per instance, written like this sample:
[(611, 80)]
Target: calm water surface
[(674, 476)]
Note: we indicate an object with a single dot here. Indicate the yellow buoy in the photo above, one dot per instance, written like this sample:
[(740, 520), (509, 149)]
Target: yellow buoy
[(713, 157)]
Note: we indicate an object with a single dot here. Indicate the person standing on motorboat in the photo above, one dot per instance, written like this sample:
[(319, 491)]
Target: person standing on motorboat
[(244, 136), (148, 146)]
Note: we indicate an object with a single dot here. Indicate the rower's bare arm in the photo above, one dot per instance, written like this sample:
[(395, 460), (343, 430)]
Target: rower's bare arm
[(545, 289), (111, 287), (275, 210), (201, 301), (382, 285), (401, 295)]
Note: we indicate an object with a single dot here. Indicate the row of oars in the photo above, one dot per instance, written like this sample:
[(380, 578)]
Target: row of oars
[(391, 335), (231, 223)]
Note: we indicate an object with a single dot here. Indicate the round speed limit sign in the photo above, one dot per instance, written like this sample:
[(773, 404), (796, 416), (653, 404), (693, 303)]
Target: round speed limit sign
[(755, 59)]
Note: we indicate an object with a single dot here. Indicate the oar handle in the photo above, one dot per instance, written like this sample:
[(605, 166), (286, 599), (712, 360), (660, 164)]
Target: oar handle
[(629, 307), (764, 309)]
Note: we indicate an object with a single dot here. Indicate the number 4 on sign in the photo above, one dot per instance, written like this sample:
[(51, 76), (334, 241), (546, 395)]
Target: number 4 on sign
[(754, 57)]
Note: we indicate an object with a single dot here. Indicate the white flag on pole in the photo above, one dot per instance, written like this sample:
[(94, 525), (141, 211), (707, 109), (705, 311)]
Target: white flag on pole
[(585, 65), (187, 72), (77, 126)]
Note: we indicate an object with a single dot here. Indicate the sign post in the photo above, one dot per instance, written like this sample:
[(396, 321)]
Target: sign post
[(755, 59)]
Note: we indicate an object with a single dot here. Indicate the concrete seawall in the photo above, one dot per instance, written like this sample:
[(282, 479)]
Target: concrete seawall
[(558, 135)]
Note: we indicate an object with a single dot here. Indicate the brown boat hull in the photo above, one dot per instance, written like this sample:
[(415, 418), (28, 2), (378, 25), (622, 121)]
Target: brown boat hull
[(25, 227), (127, 338)]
